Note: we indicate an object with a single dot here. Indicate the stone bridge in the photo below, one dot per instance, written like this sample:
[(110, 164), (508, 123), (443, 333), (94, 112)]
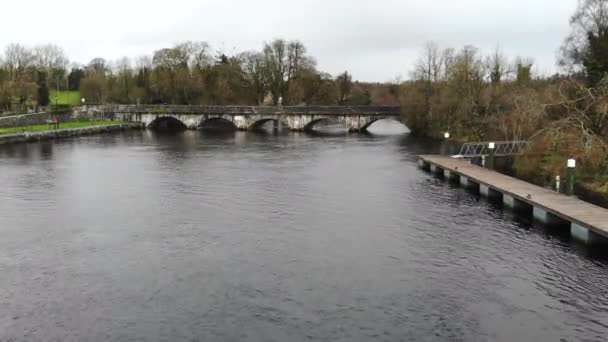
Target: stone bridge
[(296, 118)]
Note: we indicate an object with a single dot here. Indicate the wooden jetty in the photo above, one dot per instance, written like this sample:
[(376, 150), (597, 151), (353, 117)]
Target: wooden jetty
[(588, 222)]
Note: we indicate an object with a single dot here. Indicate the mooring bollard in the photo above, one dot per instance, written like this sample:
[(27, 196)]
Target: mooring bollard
[(571, 177), (491, 148), (557, 183)]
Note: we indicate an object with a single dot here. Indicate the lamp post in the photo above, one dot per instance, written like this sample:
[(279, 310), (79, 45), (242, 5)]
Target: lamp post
[(571, 177), (492, 150), (67, 88), (446, 135), (83, 101)]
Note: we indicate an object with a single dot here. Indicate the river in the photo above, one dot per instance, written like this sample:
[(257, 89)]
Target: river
[(196, 236)]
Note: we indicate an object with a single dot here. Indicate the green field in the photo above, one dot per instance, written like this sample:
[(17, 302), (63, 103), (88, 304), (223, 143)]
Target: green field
[(39, 128), (65, 98)]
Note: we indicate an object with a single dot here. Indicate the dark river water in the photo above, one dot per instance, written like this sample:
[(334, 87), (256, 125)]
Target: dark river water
[(141, 236)]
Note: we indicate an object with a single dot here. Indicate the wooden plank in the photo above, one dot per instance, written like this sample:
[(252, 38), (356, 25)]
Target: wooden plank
[(568, 208)]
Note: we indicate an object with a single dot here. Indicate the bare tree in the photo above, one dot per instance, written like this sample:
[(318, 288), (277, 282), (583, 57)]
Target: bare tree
[(98, 66), (591, 17), (585, 111), (201, 56), (284, 62), (428, 67), (345, 85), (124, 73), (17, 59), (498, 67), (255, 68), (50, 57)]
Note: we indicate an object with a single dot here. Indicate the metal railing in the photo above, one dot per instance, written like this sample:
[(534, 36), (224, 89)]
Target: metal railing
[(502, 149)]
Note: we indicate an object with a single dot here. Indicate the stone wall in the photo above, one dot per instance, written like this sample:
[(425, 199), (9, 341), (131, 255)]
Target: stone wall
[(41, 118), (63, 133)]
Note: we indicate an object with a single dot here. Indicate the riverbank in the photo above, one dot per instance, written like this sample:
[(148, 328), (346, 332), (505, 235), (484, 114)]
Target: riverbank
[(30, 136), (62, 125)]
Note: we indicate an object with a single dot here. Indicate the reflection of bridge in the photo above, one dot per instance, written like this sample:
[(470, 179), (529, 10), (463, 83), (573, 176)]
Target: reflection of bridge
[(298, 118)]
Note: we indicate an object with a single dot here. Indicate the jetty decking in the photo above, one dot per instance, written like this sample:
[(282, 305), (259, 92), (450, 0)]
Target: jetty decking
[(589, 223)]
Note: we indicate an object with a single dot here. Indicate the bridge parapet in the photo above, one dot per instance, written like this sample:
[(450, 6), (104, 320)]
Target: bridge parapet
[(392, 111)]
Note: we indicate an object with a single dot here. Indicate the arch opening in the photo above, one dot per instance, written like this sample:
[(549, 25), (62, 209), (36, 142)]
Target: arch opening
[(269, 125), (218, 124), (167, 123), (385, 126), (326, 126)]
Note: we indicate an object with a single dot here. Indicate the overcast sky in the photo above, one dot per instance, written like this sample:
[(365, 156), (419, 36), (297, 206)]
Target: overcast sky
[(376, 40)]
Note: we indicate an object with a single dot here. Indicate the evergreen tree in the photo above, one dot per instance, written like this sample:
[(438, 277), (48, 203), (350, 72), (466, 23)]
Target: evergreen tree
[(43, 89), (74, 78), (595, 60)]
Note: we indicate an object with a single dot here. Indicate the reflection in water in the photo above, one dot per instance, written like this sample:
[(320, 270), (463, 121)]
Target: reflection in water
[(387, 127), (286, 237), (218, 124), (327, 127), (271, 126)]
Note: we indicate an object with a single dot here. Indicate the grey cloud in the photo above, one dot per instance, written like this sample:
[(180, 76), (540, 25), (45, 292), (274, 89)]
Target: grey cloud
[(375, 40)]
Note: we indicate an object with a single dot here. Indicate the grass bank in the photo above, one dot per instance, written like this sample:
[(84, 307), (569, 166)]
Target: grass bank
[(65, 98), (64, 125)]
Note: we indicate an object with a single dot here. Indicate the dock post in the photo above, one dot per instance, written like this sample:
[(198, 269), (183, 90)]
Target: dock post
[(584, 235), (468, 183), (545, 217), (464, 181), (571, 177), (514, 203), (487, 191), (490, 162), (450, 176)]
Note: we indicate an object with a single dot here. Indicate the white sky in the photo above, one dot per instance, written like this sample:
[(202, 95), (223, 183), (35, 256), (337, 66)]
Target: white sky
[(376, 40)]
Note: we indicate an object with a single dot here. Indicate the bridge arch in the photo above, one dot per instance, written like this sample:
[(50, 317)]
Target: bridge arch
[(380, 119), (278, 124), (220, 124), (167, 123), (310, 127)]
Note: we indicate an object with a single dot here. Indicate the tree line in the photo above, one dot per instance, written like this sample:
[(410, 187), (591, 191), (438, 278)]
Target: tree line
[(485, 97), (188, 73)]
